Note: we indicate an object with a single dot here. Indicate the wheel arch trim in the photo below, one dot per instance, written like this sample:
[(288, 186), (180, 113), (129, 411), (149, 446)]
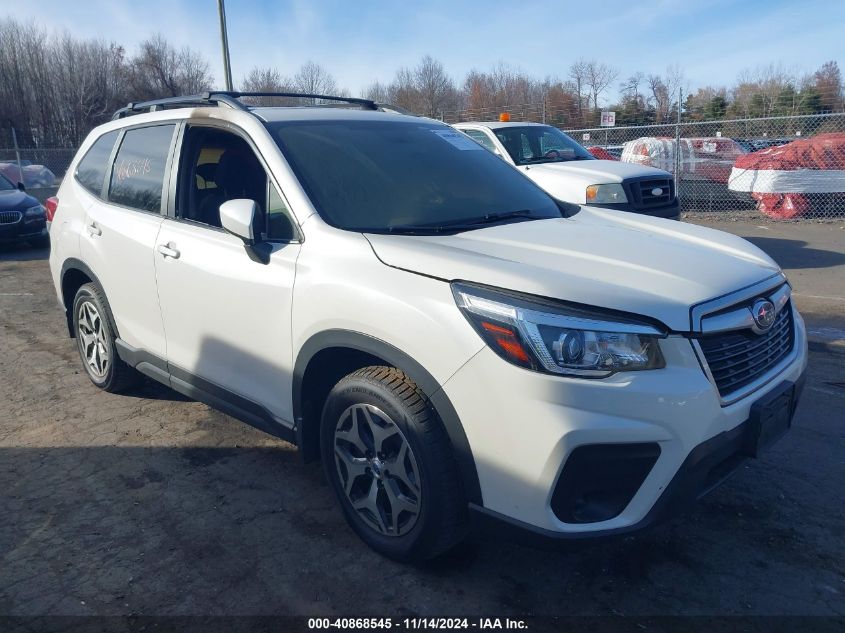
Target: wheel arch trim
[(71, 263), (357, 341)]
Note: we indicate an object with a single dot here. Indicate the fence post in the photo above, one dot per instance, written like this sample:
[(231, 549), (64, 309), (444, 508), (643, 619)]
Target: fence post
[(678, 141), (17, 152)]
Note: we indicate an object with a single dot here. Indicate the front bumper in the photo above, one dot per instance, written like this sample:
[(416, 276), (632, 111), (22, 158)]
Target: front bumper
[(523, 427), (671, 211), (708, 465), (21, 231)]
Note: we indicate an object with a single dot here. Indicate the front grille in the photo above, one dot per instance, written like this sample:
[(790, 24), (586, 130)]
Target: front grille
[(643, 195), (738, 358), (10, 217)]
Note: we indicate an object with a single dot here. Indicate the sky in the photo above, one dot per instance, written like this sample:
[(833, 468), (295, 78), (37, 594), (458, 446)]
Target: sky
[(361, 41)]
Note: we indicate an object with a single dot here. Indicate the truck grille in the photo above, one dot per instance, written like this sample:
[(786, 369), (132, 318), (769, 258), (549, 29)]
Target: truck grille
[(9, 217), (738, 358), (643, 194)]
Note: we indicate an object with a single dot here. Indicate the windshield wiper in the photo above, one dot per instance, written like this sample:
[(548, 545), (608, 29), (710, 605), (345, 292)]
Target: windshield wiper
[(461, 225), (489, 218)]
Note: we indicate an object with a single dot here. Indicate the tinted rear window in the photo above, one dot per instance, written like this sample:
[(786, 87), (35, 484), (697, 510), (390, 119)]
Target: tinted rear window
[(137, 179), (374, 175), (91, 171)]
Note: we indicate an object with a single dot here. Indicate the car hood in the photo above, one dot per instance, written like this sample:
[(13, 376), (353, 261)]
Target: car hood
[(608, 259), (16, 201), (595, 172)]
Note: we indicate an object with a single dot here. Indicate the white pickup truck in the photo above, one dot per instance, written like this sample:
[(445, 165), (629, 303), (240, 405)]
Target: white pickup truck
[(570, 173)]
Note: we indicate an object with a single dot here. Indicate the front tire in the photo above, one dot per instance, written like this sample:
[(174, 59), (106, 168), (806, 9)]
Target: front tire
[(95, 341), (390, 463)]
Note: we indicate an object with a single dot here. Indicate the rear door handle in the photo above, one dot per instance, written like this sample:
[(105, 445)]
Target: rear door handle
[(93, 229), (167, 251)]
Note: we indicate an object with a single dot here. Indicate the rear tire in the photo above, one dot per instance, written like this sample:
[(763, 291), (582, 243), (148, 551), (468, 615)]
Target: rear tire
[(390, 463), (95, 341)]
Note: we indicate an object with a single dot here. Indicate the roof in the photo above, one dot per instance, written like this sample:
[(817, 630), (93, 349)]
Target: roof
[(316, 113), (495, 125)]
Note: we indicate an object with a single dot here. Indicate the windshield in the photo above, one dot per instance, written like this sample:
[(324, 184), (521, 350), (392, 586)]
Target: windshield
[(534, 144), (405, 176), (6, 184)]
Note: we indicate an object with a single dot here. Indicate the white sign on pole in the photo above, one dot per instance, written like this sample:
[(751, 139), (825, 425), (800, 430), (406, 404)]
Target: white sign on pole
[(608, 119)]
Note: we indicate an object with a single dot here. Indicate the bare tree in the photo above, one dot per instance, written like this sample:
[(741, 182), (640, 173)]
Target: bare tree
[(435, 88), (631, 86), (599, 76), (377, 92), (578, 75), (660, 97), (314, 79), (267, 80), (160, 70)]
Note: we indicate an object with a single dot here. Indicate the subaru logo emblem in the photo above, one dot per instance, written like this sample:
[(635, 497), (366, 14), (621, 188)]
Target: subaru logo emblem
[(657, 191), (763, 312)]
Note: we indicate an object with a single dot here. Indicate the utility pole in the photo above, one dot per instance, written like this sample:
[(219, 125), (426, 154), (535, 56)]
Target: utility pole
[(224, 42)]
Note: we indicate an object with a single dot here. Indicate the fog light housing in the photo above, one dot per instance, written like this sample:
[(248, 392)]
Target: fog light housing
[(598, 481)]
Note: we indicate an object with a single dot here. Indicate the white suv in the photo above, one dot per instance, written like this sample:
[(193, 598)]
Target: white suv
[(569, 172), (381, 291)]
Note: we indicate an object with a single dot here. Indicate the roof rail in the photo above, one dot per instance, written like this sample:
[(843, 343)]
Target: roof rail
[(367, 104), (204, 99), (227, 98)]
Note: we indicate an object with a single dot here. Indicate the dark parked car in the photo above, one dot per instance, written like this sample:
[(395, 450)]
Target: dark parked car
[(756, 144), (32, 176), (22, 218)]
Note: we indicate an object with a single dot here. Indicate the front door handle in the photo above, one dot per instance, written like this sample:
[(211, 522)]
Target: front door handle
[(94, 230), (168, 251)]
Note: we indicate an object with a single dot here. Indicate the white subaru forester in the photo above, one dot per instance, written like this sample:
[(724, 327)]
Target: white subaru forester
[(399, 302)]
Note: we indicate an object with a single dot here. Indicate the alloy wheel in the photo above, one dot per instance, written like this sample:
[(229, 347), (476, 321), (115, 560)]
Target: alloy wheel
[(377, 469), (93, 341)]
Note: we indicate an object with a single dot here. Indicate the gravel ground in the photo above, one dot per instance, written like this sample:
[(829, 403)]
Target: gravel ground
[(151, 504)]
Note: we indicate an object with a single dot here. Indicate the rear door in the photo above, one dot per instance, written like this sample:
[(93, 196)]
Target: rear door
[(121, 229)]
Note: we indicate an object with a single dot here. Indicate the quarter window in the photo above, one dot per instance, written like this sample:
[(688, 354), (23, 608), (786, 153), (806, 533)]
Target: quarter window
[(279, 226), (137, 178), (91, 171)]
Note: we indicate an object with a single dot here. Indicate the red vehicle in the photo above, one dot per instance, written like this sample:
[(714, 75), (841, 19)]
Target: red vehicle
[(601, 153), (784, 180)]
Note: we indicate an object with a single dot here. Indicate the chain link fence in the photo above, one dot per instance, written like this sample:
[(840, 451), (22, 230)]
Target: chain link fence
[(40, 170), (780, 167)]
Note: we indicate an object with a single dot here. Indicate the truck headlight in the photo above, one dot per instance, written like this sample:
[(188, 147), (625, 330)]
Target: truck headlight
[(606, 194), (556, 338), (34, 213)]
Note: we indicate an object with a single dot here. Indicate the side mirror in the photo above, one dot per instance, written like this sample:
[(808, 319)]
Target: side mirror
[(237, 217), (21, 187)]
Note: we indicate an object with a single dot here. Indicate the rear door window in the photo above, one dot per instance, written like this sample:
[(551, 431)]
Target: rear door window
[(137, 178), (91, 171)]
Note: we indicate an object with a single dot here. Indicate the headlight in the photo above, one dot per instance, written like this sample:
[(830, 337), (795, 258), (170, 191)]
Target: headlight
[(606, 194), (547, 336), (34, 213)]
